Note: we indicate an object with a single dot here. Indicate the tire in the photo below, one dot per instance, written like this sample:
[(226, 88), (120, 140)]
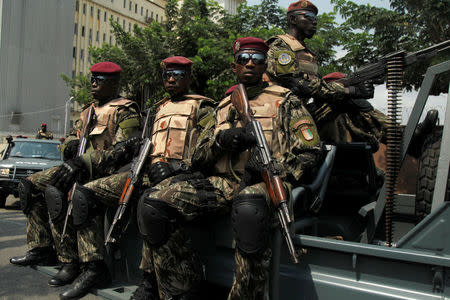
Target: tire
[(3, 199), (426, 177)]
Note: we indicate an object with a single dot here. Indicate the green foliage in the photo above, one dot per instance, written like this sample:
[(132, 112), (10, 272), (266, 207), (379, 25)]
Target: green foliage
[(79, 88)]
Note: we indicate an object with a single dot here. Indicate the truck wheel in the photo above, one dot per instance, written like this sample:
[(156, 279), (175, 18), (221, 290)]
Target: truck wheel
[(3, 199), (426, 178)]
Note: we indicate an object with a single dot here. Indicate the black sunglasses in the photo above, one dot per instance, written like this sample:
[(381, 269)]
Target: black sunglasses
[(176, 74), (99, 79), (308, 15), (244, 58)]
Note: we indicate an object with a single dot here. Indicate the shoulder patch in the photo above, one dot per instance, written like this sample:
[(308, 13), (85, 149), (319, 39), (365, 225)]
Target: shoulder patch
[(284, 58), (306, 130)]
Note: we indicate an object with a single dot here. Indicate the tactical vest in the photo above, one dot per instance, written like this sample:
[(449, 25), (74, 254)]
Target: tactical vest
[(305, 60), (102, 135), (174, 133), (265, 109)]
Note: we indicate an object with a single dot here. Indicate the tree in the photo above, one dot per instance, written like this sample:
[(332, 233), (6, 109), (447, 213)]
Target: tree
[(79, 88)]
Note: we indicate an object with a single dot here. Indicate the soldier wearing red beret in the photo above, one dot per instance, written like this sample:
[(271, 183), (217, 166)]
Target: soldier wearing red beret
[(43, 133), (292, 65), (180, 119), (115, 121)]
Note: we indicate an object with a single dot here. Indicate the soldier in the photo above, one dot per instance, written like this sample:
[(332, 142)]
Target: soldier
[(43, 133), (292, 65), (171, 267), (116, 120)]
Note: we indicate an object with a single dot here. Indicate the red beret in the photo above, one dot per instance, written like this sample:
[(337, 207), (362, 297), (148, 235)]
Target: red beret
[(43, 124), (250, 43), (176, 62), (230, 90), (106, 67), (333, 76), (303, 5)]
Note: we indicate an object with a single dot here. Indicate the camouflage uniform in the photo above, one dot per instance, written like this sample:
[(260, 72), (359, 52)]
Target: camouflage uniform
[(48, 135), (123, 125), (294, 140)]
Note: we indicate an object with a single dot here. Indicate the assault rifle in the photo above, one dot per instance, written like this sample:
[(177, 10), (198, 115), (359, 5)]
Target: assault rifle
[(375, 72), (115, 230), (81, 149), (270, 170)]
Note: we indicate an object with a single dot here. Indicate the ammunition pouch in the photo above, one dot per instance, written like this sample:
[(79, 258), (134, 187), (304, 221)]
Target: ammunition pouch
[(56, 204), (85, 206), (26, 188), (249, 218), (155, 220)]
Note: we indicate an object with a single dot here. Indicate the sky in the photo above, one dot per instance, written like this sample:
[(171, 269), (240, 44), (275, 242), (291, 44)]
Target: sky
[(380, 99)]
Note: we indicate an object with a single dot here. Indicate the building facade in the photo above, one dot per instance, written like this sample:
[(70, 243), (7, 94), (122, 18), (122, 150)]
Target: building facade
[(92, 24), (231, 5), (35, 48)]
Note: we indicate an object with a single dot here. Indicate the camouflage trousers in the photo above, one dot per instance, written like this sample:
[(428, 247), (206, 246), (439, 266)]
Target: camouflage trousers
[(85, 244), (175, 263)]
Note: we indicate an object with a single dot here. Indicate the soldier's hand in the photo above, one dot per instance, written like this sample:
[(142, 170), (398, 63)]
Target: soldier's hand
[(69, 172), (235, 139), (70, 149), (125, 151), (159, 171), (363, 90)]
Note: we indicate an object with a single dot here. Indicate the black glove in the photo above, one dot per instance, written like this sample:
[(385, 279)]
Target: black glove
[(299, 87), (70, 149), (363, 90), (235, 139), (69, 172), (159, 171), (252, 172), (125, 151)]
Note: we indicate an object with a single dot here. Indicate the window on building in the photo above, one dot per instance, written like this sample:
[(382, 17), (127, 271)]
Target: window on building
[(77, 5), (82, 30), (117, 19), (129, 6), (84, 8), (123, 24), (146, 13), (90, 35), (98, 14), (104, 37), (124, 3), (75, 30), (135, 8), (156, 17), (129, 27), (74, 54), (142, 11), (97, 36), (104, 17), (151, 16), (73, 74), (82, 54), (92, 11)]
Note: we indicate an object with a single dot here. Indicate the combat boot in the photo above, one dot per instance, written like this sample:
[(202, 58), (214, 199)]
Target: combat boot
[(95, 275), (423, 129), (65, 275), (148, 289), (37, 256)]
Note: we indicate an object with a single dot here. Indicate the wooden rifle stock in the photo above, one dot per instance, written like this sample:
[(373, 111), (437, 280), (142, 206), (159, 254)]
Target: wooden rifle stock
[(270, 171)]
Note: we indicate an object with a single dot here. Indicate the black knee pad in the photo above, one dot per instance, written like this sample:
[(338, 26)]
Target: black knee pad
[(85, 206), (249, 217), (56, 203), (155, 220), (26, 189)]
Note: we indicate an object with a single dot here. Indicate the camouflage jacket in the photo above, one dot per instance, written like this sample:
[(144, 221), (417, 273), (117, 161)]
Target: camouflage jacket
[(291, 130), (122, 123), (293, 63)]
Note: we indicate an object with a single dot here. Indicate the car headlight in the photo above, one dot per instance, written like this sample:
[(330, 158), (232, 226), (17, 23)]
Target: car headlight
[(4, 171)]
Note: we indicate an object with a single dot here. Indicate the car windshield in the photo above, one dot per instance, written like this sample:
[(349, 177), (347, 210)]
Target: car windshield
[(35, 150)]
